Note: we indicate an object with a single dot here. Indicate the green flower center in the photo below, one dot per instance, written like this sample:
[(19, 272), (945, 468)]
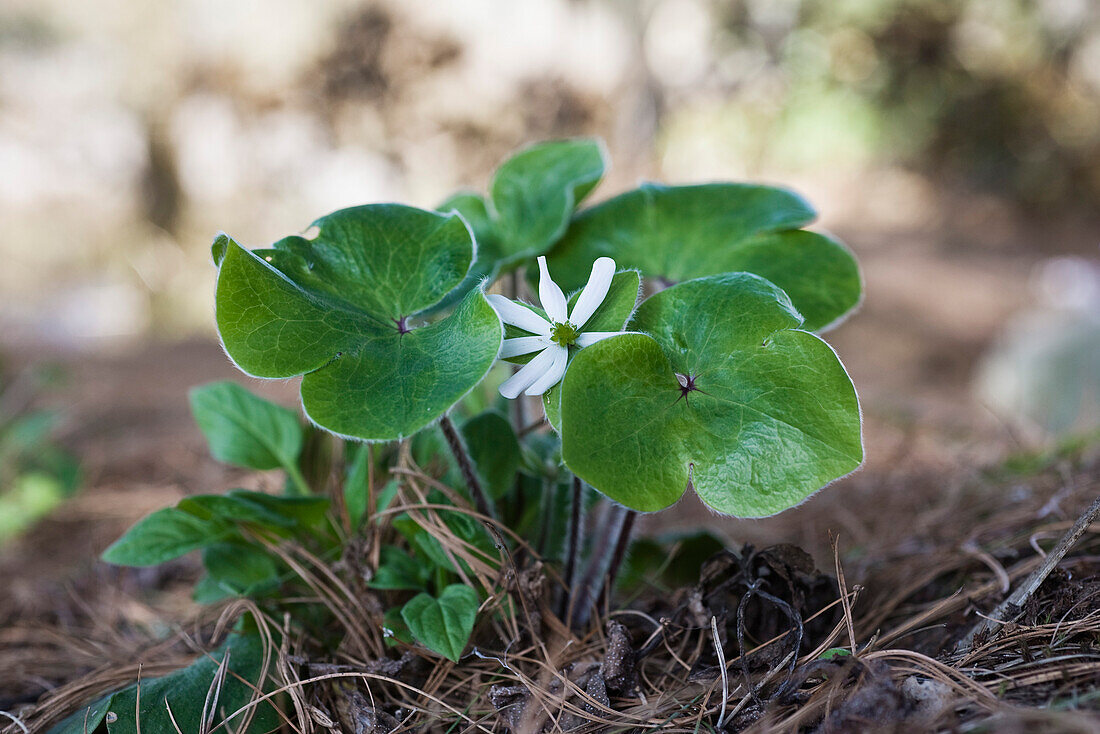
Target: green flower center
[(563, 334)]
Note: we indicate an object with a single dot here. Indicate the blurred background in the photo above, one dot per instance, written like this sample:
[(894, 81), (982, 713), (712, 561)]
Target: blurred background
[(954, 144)]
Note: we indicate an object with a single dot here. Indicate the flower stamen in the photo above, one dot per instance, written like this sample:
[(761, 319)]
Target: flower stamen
[(563, 333)]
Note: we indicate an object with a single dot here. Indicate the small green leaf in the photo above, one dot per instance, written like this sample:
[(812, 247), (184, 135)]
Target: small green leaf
[(240, 569), (770, 417), (301, 511), (356, 481), (233, 507), (398, 570), (443, 625), (833, 653), (246, 430), (677, 556), (495, 450), (683, 232), (162, 536), (175, 702), (340, 309), (535, 191)]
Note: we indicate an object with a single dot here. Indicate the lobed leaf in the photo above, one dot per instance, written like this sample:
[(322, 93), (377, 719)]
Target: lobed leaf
[(773, 416), (679, 233), (338, 308)]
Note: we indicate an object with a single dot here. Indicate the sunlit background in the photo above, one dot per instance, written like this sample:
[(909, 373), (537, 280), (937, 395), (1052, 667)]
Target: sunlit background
[(954, 144)]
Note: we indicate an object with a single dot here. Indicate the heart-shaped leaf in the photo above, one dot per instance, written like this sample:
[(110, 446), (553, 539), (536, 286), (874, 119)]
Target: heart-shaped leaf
[(443, 625), (683, 232), (722, 392), (244, 429), (337, 309)]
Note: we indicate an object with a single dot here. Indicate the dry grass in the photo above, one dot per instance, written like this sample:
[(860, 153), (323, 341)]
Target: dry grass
[(741, 651)]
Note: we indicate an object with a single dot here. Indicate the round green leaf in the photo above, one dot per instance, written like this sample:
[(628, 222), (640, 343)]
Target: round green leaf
[(443, 625), (683, 232), (336, 309), (772, 417)]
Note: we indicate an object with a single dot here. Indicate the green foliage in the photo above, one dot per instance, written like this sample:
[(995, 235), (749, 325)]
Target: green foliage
[(684, 232), (770, 417), (245, 430), (719, 385), (201, 521), (398, 570), (531, 198), (236, 569), (35, 474), (834, 653), (669, 560), (176, 702), (337, 310), (162, 536), (495, 450), (443, 624)]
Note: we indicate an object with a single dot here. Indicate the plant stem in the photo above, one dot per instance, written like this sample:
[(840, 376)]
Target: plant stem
[(619, 554), (585, 592), (466, 466), (298, 479), (573, 548)]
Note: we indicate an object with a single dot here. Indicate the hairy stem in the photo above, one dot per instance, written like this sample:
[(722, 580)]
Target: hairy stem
[(619, 554), (466, 466), (573, 547), (585, 592)]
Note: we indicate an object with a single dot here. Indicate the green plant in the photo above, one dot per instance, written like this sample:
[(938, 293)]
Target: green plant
[(716, 381), (36, 475)]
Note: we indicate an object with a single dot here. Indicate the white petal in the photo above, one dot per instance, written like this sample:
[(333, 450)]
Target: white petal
[(603, 271), (589, 338), (512, 313), (553, 375), (523, 345), (550, 295), (528, 374)]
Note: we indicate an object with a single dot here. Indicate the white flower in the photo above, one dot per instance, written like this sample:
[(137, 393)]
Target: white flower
[(551, 338)]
